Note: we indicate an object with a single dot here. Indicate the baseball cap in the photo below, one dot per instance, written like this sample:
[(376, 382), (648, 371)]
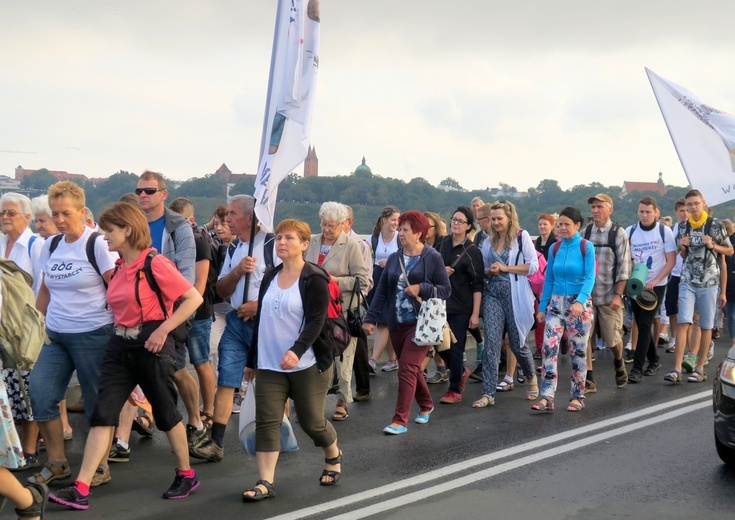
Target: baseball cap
[(601, 197)]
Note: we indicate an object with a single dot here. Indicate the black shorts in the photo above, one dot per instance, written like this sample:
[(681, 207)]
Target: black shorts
[(672, 296), (127, 364)]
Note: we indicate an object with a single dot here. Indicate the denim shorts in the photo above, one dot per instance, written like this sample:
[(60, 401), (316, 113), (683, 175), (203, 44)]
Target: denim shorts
[(698, 299), (66, 352), (233, 350), (198, 341)]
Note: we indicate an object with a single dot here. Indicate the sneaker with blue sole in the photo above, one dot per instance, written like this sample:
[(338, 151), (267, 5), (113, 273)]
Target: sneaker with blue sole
[(394, 430)]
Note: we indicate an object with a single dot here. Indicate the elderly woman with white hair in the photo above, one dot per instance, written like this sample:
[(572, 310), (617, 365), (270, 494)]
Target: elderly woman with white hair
[(342, 257), (42, 217), (21, 246)]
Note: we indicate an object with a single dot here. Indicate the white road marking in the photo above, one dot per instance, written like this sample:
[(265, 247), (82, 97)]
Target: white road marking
[(461, 467)]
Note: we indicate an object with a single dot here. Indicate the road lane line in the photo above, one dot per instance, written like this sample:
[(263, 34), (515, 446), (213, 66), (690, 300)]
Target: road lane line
[(423, 494), (463, 466)]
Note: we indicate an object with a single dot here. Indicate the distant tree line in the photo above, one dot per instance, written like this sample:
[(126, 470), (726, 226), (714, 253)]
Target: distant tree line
[(367, 193)]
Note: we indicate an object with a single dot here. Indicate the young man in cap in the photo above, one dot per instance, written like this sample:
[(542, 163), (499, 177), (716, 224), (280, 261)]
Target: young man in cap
[(612, 252), (703, 243)]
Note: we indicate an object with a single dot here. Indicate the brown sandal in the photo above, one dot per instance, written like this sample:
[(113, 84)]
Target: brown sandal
[(146, 430), (207, 419)]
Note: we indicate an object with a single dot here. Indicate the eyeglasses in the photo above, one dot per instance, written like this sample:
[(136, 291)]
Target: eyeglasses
[(9, 212), (147, 191), (325, 225), (459, 221), (482, 218), (694, 204)]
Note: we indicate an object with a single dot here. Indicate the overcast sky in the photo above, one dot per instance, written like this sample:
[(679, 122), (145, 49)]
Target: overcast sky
[(483, 91)]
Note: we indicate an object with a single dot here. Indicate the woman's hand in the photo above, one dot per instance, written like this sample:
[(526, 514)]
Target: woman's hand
[(496, 268), (369, 328), (249, 374), (155, 341), (576, 309), (412, 290), (540, 317), (450, 270), (289, 360), (382, 263)]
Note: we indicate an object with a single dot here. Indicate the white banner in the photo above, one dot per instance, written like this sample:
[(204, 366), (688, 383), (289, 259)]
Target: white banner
[(703, 136), (290, 102)]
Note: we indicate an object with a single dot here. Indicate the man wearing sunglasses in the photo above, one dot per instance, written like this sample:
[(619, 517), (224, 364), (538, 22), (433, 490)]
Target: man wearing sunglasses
[(173, 237)]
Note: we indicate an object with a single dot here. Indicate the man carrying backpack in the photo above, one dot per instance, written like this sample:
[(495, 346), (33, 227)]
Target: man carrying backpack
[(197, 342), (234, 346), (651, 244), (612, 252), (702, 243)]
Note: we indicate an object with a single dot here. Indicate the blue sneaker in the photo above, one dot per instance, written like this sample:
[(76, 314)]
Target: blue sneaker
[(423, 419), (395, 430)]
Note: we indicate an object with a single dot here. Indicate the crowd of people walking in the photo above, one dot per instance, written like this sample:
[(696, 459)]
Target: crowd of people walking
[(128, 298)]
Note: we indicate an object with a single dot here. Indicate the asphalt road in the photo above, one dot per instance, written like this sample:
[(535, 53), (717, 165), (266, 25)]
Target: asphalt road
[(643, 451)]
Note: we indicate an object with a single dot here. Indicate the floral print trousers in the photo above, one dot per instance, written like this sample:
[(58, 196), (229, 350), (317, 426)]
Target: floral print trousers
[(559, 320)]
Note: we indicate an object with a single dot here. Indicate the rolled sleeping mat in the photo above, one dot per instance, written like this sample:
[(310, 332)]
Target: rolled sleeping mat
[(637, 281)]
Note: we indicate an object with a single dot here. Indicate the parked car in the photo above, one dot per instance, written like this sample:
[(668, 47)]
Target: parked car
[(723, 402)]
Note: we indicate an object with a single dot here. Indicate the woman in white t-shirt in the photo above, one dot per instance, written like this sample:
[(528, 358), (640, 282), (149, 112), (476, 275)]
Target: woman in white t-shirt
[(291, 359), (78, 321), (384, 242)]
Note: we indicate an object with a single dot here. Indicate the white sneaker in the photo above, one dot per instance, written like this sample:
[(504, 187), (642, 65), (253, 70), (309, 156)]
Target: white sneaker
[(601, 345), (710, 352), (629, 346)]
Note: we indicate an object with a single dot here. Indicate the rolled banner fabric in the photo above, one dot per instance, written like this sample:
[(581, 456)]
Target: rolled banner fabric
[(637, 281)]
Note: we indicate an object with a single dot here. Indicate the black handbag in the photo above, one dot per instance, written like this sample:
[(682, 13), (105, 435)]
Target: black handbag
[(356, 311)]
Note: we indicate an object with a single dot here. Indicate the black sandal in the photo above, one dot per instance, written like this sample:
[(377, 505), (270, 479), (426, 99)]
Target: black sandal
[(207, 419), (258, 494), (39, 492), (143, 429), (335, 475)]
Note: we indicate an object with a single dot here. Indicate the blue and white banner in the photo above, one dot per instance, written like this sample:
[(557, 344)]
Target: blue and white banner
[(290, 102), (704, 139)]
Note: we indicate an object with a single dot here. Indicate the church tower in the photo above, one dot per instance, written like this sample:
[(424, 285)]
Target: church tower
[(311, 164)]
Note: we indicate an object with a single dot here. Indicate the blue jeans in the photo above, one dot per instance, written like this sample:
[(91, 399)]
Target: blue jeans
[(65, 353), (233, 350), (198, 341)]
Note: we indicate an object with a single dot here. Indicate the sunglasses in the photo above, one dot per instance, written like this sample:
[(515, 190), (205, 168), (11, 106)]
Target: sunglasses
[(147, 191), (9, 212)]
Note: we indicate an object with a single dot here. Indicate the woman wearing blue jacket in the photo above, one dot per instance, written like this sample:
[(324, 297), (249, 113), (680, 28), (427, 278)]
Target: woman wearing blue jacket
[(566, 306)]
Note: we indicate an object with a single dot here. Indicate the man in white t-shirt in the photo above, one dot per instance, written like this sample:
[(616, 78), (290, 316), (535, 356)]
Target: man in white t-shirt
[(239, 265), (651, 244)]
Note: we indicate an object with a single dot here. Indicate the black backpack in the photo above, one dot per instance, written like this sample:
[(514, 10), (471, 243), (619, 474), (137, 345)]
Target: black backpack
[(89, 249), (611, 236)]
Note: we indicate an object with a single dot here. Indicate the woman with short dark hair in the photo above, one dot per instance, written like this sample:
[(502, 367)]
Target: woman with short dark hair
[(566, 306), (424, 276)]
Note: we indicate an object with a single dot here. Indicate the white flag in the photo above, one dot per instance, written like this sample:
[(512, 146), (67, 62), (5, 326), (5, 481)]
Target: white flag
[(291, 88), (703, 136)]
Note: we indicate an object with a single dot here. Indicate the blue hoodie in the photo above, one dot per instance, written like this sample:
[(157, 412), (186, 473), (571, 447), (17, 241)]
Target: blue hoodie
[(569, 272)]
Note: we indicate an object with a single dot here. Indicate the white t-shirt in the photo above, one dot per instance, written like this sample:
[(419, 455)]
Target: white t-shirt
[(19, 254), (256, 277), (78, 300), (647, 248), (676, 271), (281, 315), (383, 250)]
